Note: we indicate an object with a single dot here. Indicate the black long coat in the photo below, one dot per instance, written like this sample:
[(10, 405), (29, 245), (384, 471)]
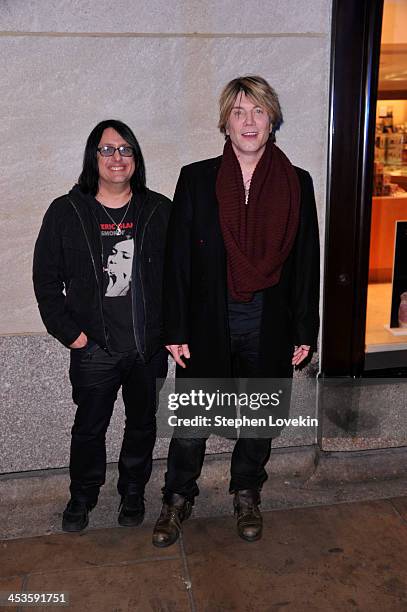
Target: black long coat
[(195, 282)]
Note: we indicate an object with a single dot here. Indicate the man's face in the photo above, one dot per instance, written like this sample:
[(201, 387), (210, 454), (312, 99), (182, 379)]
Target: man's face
[(248, 126), (114, 170)]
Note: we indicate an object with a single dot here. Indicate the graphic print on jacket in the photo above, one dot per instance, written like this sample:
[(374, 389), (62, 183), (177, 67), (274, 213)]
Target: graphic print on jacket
[(116, 231)]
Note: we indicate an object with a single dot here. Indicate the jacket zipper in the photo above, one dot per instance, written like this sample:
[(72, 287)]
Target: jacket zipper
[(133, 314), (141, 280), (94, 269)]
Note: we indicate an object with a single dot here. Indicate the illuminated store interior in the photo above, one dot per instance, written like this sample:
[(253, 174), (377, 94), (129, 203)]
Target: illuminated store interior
[(386, 325)]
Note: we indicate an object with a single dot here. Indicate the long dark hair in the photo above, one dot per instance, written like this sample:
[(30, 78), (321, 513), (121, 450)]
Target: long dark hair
[(89, 177)]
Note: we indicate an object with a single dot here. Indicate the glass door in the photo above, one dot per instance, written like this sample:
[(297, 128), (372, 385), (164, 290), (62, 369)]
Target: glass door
[(386, 320)]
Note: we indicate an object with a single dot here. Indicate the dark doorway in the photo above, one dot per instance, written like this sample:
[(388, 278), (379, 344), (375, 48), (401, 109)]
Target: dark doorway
[(356, 33)]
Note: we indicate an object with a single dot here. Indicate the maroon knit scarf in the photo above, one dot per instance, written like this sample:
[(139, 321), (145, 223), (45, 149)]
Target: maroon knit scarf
[(258, 236)]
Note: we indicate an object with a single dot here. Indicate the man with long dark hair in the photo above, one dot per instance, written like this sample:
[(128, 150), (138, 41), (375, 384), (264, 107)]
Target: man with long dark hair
[(97, 277)]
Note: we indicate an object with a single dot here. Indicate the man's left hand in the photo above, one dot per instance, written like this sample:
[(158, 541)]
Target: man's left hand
[(300, 353)]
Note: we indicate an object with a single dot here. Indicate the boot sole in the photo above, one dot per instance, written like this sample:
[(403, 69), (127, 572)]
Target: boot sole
[(130, 522), (165, 544), (72, 528), (252, 539)]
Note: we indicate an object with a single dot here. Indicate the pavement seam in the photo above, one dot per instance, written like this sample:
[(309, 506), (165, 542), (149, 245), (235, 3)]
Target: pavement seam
[(319, 504), (24, 585), (187, 575), (48, 572), (396, 510)]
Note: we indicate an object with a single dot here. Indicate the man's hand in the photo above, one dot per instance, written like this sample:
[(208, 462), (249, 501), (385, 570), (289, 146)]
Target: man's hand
[(177, 351), (80, 341), (300, 353)]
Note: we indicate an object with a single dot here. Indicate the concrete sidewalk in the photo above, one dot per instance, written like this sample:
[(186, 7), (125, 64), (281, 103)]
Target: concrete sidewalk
[(340, 557)]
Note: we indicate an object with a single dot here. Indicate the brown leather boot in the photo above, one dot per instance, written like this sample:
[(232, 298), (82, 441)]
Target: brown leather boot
[(168, 526), (249, 519)]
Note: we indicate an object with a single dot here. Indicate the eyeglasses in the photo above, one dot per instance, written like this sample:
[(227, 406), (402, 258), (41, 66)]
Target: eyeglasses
[(109, 151)]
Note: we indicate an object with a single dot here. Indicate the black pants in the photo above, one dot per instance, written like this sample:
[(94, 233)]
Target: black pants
[(96, 378), (250, 455)]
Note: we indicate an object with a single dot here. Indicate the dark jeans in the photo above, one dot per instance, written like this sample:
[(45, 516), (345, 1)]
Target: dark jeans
[(96, 378), (250, 455)]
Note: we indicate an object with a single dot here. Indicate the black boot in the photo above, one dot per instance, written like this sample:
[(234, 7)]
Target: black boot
[(168, 527), (249, 519), (131, 510), (75, 516)]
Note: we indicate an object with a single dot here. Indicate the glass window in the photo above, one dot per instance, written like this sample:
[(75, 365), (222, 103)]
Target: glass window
[(386, 324)]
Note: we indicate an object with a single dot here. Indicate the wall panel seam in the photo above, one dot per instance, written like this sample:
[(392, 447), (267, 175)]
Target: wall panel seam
[(7, 34)]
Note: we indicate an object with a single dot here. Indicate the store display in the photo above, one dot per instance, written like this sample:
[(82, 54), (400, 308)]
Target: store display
[(390, 153), (403, 310), (399, 289)]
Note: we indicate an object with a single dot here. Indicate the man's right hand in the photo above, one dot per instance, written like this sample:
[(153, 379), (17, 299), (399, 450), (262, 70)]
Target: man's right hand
[(80, 341), (178, 351)]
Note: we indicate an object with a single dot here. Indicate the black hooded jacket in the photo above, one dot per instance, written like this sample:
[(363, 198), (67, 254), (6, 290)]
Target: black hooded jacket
[(68, 272)]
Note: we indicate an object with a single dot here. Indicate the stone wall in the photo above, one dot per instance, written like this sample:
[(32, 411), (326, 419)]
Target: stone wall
[(158, 66)]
